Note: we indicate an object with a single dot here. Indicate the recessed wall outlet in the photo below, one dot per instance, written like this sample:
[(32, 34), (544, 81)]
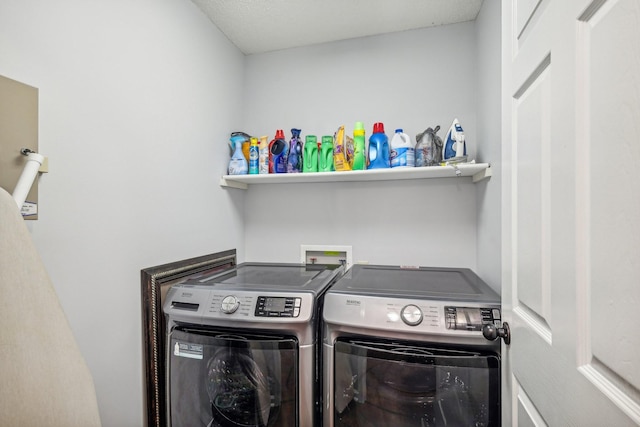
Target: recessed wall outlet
[(327, 254)]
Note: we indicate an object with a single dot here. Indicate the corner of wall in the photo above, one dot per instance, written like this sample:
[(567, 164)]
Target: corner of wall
[(488, 196)]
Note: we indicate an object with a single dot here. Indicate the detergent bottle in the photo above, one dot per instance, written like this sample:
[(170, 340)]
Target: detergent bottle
[(326, 155), (310, 157), (263, 155), (253, 156), (402, 151), (238, 163), (378, 148), (278, 153), (359, 154), (294, 158), (341, 155)]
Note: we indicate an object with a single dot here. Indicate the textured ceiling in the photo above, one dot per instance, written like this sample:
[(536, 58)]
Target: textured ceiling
[(258, 26)]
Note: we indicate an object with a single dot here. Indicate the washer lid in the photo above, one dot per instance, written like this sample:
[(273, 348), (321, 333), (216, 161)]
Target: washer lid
[(281, 277), (457, 284)]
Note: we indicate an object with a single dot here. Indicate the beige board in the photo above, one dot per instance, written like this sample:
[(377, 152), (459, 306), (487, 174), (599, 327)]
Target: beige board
[(18, 130)]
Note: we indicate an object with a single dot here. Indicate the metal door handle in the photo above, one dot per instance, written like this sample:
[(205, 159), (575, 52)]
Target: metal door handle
[(492, 332)]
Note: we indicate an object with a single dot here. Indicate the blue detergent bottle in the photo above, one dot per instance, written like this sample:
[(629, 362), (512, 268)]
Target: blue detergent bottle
[(238, 164), (278, 153), (378, 148)]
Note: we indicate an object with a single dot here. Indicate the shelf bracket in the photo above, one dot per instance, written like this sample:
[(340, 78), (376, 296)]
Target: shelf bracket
[(483, 174), (233, 184)]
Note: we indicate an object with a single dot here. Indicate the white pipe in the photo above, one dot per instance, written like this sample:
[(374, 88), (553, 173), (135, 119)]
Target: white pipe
[(25, 182)]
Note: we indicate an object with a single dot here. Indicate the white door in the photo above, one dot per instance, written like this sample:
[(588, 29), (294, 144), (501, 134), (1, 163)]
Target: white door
[(571, 212)]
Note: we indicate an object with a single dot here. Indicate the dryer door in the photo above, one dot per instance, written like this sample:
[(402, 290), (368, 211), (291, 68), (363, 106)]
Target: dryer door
[(411, 384), (232, 379)]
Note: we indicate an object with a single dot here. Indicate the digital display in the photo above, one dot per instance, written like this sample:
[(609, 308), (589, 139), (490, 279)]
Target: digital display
[(274, 304)]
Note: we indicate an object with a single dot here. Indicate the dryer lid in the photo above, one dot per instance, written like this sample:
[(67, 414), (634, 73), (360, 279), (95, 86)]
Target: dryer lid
[(450, 284), (274, 276)]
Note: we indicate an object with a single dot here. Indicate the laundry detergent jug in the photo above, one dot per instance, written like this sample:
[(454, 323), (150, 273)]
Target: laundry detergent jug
[(378, 148), (310, 154), (325, 163), (359, 154), (402, 150), (278, 153)]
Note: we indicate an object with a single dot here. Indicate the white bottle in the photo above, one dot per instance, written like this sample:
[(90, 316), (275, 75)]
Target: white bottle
[(402, 150)]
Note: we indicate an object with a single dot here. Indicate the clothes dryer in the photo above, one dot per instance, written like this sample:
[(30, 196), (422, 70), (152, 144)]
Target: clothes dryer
[(243, 346), (404, 347)]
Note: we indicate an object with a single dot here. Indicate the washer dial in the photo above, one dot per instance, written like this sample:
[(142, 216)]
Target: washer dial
[(230, 304), (411, 315)]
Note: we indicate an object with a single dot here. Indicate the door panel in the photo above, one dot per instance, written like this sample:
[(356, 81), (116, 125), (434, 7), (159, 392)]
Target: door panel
[(612, 79), (528, 14), (528, 415), (532, 148), (525, 11), (571, 96)]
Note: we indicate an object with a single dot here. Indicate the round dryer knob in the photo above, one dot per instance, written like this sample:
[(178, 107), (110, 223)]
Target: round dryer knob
[(230, 304), (411, 315)]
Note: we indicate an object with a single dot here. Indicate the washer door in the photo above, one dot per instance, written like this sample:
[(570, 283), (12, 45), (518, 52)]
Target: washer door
[(410, 384), (226, 379)]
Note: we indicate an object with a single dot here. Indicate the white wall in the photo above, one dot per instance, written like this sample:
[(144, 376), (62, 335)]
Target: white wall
[(413, 80), (488, 48), (137, 99)]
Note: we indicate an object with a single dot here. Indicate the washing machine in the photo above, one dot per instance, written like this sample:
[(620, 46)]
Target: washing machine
[(404, 346), (243, 346)]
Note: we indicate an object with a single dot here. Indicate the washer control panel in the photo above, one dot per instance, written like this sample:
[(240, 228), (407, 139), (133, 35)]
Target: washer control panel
[(411, 315), (229, 304), (471, 318), (271, 306)]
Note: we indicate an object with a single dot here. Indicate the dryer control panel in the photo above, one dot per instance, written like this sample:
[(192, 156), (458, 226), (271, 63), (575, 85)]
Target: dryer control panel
[(207, 304), (270, 306), (471, 318)]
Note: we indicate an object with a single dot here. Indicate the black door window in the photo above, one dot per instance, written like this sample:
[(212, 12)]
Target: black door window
[(226, 379), (408, 384)]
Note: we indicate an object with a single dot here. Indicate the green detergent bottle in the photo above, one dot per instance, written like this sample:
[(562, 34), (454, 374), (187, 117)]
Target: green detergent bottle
[(359, 153), (310, 154), (326, 155)]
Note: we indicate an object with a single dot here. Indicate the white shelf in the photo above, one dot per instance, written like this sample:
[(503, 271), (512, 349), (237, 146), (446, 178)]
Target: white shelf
[(478, 172)]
